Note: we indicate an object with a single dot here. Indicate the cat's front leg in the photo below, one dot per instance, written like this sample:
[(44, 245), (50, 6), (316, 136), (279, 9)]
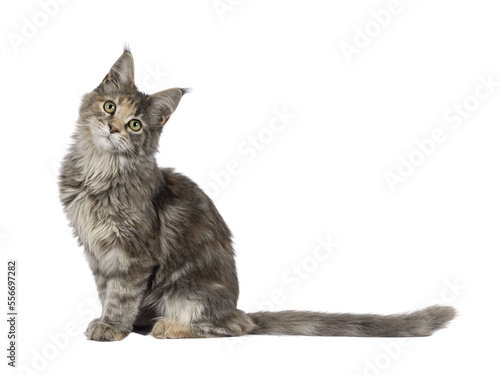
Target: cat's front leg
[(124, 292)]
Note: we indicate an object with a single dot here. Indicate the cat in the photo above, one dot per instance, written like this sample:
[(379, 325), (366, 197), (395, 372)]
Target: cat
[(160, 252)]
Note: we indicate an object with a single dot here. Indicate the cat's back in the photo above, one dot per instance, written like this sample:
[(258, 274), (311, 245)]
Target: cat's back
[(188, 214), (179, 199), (179, 191)]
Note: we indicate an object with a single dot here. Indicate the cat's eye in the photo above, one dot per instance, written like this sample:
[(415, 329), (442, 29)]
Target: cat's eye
[(110, 107), (135, 125)]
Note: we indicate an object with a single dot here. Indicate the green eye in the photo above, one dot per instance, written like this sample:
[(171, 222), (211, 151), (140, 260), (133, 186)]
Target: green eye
[(135, 125), (110, 107)]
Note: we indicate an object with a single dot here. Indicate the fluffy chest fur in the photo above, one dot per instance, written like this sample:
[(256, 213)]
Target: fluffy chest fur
[(107, 202)]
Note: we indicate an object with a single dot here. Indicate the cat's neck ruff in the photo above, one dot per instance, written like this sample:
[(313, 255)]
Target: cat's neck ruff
[(102, 170)]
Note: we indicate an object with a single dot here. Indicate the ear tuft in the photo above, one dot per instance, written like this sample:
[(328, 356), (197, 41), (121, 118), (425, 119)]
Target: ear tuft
[(126, 48), (186, 90)]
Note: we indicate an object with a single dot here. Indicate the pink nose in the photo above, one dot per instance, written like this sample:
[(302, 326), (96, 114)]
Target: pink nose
[(112, 129)]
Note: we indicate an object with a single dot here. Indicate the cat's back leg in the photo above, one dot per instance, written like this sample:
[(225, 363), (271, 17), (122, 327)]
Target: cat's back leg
[(207, 312)]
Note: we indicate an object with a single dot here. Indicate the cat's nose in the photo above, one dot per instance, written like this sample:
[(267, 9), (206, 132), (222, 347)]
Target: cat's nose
[(112, 129)]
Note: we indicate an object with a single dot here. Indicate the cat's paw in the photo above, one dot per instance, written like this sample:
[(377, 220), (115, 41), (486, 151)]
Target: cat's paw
[(167, 329), (102, 331)]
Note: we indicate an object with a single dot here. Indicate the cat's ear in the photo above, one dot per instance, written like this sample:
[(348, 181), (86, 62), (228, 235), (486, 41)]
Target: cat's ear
[(163, 104), (121, 74)]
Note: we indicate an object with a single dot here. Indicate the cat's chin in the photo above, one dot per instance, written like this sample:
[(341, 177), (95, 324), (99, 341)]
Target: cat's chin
[(104, 143)]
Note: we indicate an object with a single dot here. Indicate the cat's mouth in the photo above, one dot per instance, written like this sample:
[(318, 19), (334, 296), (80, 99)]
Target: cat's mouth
[(103, 140), (107, 137)]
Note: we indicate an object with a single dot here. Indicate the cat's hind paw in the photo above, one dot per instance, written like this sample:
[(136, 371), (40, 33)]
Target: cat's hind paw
[(166, 329)]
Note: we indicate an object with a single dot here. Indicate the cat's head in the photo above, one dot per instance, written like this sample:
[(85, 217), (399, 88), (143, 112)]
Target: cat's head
[(119, 119)]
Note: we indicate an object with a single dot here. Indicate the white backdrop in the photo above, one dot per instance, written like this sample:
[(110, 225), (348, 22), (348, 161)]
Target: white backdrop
[(372, 125)]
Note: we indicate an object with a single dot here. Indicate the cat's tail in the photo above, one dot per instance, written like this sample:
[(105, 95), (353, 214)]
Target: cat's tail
[(418, 323)]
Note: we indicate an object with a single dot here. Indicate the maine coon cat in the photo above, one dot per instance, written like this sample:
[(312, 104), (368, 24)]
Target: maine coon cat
[(160, 253)]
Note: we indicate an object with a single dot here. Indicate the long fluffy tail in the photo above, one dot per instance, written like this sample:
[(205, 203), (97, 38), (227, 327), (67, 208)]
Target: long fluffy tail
[(418, 323)]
